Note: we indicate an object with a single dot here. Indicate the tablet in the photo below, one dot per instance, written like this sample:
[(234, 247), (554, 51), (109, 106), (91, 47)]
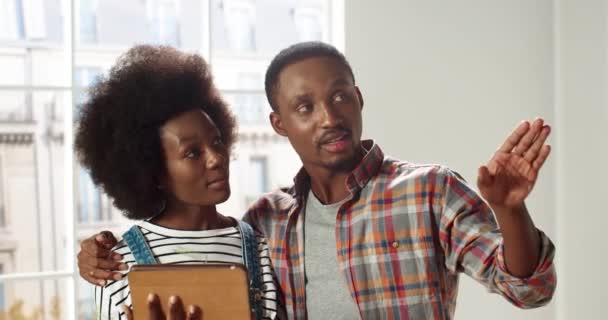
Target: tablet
[(220, 290)]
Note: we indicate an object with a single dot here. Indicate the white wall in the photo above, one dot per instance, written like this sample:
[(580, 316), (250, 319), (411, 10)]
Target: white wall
[(582, 114), (445, 82)]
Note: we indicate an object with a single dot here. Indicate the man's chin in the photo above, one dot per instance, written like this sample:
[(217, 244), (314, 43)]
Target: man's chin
[(341, 163)]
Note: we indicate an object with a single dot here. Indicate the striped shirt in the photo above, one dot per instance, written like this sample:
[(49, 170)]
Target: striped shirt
[(171, 246), (402, 240)]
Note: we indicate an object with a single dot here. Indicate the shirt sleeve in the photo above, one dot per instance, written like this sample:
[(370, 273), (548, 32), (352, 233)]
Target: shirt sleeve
[(273, 306), (473, 244)]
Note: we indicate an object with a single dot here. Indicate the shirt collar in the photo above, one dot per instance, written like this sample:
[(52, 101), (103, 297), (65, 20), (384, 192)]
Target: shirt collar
[(357, 179)]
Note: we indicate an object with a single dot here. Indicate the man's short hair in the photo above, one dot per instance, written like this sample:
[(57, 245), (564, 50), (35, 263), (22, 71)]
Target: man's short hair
[(296, 53)]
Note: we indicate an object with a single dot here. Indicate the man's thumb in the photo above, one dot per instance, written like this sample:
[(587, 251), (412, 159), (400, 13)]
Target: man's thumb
[(106, 239)]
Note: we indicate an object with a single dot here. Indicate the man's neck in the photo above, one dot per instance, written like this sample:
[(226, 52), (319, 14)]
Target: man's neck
[(329, 187), (329, 184)]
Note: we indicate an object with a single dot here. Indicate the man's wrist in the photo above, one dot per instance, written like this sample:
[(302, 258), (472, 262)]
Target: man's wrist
[(509, 211)]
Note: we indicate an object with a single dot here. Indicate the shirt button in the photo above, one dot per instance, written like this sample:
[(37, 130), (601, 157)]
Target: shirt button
[(395, 244)]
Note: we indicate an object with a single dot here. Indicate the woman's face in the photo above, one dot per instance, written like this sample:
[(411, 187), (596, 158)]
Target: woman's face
[(196, 159)]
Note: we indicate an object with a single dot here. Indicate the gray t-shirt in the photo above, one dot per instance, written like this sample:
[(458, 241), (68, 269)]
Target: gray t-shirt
[(327, 295)]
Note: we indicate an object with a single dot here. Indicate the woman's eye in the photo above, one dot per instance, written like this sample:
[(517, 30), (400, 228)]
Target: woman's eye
[(218, 142), (193, 154)]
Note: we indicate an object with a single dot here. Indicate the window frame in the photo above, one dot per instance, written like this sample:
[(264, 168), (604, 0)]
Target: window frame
[(70, 11)]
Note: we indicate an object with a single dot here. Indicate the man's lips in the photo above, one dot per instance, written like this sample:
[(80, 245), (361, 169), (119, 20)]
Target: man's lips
[(336, 144), (333, 137)]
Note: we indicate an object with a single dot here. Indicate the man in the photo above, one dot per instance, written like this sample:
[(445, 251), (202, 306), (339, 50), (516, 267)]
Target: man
[(362, 235)]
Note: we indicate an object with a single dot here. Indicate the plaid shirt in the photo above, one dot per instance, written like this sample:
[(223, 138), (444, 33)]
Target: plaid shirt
[(402, 240)]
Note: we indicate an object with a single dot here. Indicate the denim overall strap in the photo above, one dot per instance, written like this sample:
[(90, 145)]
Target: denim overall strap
[(252, 263), (138, 245)]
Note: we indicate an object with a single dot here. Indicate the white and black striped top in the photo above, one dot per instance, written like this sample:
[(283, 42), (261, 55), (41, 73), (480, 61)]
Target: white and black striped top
[(172, 246)]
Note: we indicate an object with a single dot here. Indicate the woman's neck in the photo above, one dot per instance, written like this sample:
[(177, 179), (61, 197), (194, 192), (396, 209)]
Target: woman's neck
[(194, 218)]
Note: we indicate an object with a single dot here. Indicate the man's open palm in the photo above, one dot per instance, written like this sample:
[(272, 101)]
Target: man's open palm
[(511, 173)]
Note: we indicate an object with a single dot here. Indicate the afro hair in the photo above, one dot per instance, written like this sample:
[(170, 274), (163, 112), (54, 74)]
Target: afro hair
[(117, 134)]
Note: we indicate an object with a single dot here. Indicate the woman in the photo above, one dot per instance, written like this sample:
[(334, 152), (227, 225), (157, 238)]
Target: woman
[(156, 137)]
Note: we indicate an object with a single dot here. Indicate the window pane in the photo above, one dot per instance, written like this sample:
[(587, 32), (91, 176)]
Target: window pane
[(89, 199), (88, 21), (249, 108), (239, 74), (47, 67), (259, 175), (11, 20), (31, 158), (246, 27), (117, 25), (12, 64), (84, 77), (86, 300), (34, 299), (34, 20), (14, 107), (31, 43)]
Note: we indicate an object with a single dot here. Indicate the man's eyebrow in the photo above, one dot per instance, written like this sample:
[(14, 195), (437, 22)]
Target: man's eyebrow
[(300, 98), (340, 82)]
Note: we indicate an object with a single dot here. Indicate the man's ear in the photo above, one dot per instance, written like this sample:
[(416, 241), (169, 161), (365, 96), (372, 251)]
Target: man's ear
[(360, 96), (277, 123)]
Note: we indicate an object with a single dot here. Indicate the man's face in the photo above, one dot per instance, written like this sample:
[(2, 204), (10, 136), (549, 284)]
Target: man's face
[(319, 110)]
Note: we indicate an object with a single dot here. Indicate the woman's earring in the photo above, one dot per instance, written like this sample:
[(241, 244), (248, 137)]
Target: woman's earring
[(162, 206)]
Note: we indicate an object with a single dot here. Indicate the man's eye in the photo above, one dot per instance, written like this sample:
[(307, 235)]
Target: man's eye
[(304, 108), (340, 97)]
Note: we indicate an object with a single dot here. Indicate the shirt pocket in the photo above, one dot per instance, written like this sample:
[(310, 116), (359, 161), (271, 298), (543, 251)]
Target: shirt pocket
[(407, 256)]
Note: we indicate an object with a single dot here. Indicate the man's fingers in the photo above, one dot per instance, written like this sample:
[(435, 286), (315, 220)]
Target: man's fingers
[(532, 153), (176, 309), (85, 260), (528, 138), (483, 176), (91, 247), (97, 277), (92, 279), (155, 311), (128, 312), (542, 156), (105, 275), (97, 270), (107, 239), (514, 137), (96, 260), (195, 313)]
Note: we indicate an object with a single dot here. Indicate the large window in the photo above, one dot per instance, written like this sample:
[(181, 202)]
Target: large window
[(51, 52)]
